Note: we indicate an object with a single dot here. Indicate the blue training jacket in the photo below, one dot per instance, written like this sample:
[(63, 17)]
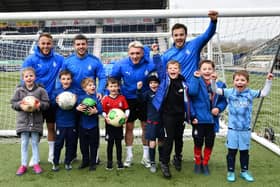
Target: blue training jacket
[(89, 122), (81, 68), (201, 106), (162, 92), (46, 68), (63, 118), (189, 55), (132, 73)]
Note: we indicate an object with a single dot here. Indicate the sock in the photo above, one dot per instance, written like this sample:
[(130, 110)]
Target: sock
[(197, 155), (207, 154), (146, 152), (51, 149), (152, 154), (129, 151)]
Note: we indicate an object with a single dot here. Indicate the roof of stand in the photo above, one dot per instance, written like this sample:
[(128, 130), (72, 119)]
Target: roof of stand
[(74, 5)]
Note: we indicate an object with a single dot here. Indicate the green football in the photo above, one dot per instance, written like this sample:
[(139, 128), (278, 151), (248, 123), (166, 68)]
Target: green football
[(89, 102)]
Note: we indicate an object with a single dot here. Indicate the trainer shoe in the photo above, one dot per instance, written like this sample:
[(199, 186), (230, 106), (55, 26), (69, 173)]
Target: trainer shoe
[(153, 168), (146, 162), (230, 176), (68, 167), (21, 170), (92, 167), (246, 176), (83, 165), (109, 165), (128, 162), (55, 167), (165, 170), (177, 162), (37, 169), (120, 166), (206, 170), (197, 168)]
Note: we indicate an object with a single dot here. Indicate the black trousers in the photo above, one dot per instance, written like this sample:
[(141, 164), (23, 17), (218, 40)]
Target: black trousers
[(67, 135), (173, 132), (89, 143)]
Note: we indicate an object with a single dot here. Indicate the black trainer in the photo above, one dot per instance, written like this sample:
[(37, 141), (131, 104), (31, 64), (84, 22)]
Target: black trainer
[(120, 166), (109, 165), (177, 162), (83, 165), (197, 168), (165, 171), (92, 167), (206, 170)]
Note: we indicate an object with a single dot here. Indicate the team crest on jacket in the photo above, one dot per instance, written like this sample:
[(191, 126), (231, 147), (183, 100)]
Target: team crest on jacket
[(188, 52), (120, 104), (89, 67), (146, 72), (54, 64)]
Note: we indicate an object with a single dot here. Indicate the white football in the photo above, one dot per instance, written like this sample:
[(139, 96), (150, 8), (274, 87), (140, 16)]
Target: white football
[(116, 117), (66, 100), (28, 103)]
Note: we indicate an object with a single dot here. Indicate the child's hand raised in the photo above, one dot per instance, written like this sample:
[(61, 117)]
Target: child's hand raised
[(139, 85), (214, 76), (269, 76), (197, 74)]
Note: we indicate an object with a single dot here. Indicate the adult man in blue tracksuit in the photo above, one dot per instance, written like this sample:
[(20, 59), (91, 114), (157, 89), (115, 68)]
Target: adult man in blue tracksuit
[(84, 65), (187, 53), (131, 70), (47, 64)]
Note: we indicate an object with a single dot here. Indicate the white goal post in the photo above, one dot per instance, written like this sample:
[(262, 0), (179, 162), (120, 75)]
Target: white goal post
[(239, 32)]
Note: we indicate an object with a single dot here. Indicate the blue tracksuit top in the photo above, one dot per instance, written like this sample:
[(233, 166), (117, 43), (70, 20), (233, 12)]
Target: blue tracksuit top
[(201, 106), (132, 73), (89, 122), (189, 55), (63, 118), (46, 68), (147, 97), (162, 92), (81, 68)]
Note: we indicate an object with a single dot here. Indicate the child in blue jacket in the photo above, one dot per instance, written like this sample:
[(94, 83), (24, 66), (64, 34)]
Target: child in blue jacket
[(65, 123), (88, 125), (206, 108)]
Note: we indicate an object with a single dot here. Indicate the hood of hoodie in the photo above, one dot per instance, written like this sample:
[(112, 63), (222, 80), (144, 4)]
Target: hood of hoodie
[(144, 59), (38, 52)]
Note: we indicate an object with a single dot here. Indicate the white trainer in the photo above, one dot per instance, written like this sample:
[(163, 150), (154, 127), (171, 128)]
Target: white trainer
[(146, 162), (128, 162)]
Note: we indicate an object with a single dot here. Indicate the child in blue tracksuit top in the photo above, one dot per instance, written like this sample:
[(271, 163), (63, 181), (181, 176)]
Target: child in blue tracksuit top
[(205, 114), (172, 102), (88, 125), (65, 123)]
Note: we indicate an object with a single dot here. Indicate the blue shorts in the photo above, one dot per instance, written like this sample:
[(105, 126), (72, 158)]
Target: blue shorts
[(154, 131), (237, 139)]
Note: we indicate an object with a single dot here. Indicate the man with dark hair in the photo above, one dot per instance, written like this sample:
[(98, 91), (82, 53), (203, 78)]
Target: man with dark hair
[(84, 65), (187, 53)]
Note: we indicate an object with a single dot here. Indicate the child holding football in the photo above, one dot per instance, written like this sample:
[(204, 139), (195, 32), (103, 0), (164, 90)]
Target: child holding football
[(240, 103), (114, 134), (65, 121), (154, 130), (207, 107), (29, 117), (89, 107)]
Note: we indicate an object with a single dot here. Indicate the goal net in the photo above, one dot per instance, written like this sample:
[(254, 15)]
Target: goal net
[(241, 42)]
